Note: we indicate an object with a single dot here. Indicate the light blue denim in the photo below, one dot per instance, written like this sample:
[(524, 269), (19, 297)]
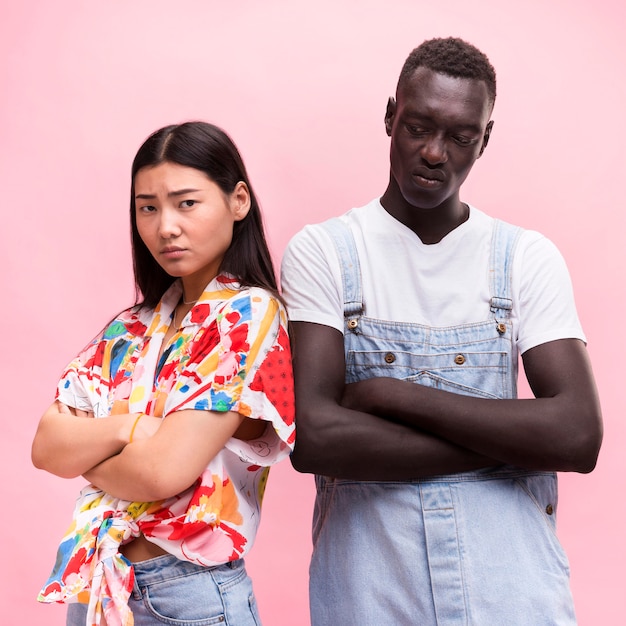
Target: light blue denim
[(476, 548), (175, 592)]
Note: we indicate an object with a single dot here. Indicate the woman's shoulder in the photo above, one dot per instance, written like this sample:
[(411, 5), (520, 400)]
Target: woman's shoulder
[(251, 308), (132, 321), (255, 300)]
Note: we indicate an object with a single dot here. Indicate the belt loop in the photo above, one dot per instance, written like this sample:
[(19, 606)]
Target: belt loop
[(136, 592)]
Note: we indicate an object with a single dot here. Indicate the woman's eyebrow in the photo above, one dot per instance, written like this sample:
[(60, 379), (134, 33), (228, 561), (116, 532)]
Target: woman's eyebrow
[(178, 192)]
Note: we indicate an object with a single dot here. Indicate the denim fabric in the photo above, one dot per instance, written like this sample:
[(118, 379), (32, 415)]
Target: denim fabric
[(170, 591), (474, 548)]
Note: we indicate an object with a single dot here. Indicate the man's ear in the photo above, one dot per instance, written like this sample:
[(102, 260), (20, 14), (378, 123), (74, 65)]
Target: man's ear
[(389, 115), (486, 138), (240, 201)]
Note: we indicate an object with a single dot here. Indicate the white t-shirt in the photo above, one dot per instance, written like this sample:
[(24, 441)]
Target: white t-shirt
[(439, 285)]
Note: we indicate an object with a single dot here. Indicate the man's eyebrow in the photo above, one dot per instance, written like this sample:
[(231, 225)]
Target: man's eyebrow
[(171, 194), (431, 118)]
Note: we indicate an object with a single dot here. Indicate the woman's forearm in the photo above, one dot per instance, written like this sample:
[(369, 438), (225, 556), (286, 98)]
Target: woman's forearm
[(170, 461), (68, 445)]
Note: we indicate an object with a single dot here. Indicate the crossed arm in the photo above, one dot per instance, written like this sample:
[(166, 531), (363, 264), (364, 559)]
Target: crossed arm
[(389, 429), (165, 457)]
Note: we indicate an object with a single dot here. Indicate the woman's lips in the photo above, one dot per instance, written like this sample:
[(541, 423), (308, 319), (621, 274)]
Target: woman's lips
[(172, 252)]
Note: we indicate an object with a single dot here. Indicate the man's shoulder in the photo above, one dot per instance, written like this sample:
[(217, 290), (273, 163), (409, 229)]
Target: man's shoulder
[(488, 218), (350, 218), (527, 236), (532, 250)]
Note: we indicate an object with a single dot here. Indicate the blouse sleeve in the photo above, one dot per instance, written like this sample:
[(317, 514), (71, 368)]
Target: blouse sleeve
[(78, 387), (240, 360), (101, 367)]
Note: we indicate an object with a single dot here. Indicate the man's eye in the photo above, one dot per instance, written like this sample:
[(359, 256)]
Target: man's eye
[(463, 141)]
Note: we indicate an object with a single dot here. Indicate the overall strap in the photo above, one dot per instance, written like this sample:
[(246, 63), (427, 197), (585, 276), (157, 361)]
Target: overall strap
[(503, 244), (349, 262)]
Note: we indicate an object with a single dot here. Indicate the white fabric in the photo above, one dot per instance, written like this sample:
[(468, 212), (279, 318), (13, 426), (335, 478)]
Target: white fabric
[(443, 284)]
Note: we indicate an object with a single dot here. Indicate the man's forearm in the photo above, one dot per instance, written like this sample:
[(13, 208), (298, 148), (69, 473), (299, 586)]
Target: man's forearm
[(350, 444), (558, 432)]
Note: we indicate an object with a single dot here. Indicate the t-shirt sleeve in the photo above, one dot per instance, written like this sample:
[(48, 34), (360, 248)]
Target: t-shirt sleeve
[(547, 310), (311, 279), (241, 361)]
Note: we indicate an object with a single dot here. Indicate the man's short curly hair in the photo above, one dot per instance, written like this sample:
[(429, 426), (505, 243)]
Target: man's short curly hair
[(454, 57)]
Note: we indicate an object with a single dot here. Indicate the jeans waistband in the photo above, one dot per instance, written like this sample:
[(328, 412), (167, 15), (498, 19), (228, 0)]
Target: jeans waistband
[(166, 567)]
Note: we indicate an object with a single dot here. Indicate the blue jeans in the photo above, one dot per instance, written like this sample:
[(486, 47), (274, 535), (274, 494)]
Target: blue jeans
[(170, 591)]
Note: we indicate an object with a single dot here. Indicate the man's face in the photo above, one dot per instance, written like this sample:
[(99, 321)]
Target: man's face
[(439, 126)]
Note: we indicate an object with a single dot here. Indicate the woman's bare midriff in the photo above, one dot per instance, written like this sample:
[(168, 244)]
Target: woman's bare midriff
[(140, 549)]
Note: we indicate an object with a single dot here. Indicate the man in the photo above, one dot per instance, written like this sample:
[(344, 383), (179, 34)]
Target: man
[(436, 501)]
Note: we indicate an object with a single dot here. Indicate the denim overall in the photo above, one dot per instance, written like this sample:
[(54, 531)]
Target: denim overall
[(476, 548)]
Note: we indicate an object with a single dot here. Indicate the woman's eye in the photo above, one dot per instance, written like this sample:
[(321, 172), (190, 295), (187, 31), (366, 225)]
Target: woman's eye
[(187, 204), (147, 209)]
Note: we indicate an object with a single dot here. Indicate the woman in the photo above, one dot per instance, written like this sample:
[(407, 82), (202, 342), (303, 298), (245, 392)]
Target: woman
[(195, 382)]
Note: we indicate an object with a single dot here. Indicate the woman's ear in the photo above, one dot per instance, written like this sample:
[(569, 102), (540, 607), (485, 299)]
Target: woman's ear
[(240, 201)]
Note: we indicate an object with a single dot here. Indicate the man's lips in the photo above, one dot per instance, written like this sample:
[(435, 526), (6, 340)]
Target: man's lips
[(435, 176), (428, 179)]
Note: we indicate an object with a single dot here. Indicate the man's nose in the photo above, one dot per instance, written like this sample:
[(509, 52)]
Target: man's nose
[(434, 150)]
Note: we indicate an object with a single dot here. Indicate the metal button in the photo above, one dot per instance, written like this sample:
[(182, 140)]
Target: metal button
[(390, 357), (459, 359), (352, 324), (549, 509), (501, 328)]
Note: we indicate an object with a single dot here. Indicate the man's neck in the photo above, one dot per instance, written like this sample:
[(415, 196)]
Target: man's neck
[(430, 225)]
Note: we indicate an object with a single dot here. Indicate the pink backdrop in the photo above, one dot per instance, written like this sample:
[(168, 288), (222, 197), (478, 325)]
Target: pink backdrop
[(302, 89)]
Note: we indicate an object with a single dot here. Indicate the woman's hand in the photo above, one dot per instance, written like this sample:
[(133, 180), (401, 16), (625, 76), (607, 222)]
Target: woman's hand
[(143, 426), (68, 410)]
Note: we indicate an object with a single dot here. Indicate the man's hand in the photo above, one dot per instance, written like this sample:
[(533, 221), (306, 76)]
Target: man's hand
[(361, 396)]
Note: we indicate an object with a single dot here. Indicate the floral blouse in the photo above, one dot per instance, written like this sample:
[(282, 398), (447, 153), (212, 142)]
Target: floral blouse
[(231, 353)]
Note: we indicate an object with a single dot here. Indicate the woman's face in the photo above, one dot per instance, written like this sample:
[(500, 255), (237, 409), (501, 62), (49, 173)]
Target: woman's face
[(186, 221)]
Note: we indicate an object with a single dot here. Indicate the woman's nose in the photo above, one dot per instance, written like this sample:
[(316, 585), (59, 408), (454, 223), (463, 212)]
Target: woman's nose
[(168, 224)]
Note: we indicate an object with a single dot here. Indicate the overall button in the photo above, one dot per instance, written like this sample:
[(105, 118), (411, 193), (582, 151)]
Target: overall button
[(459, 359), (549, 509), (352, 324), (390, 357), (501, 328)]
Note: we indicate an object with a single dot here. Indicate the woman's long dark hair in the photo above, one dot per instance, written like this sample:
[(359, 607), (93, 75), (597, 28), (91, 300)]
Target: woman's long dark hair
[(207, 148)]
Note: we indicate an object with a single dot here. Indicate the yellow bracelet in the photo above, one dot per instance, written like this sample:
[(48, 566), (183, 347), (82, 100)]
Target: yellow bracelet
[(132, 430)]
